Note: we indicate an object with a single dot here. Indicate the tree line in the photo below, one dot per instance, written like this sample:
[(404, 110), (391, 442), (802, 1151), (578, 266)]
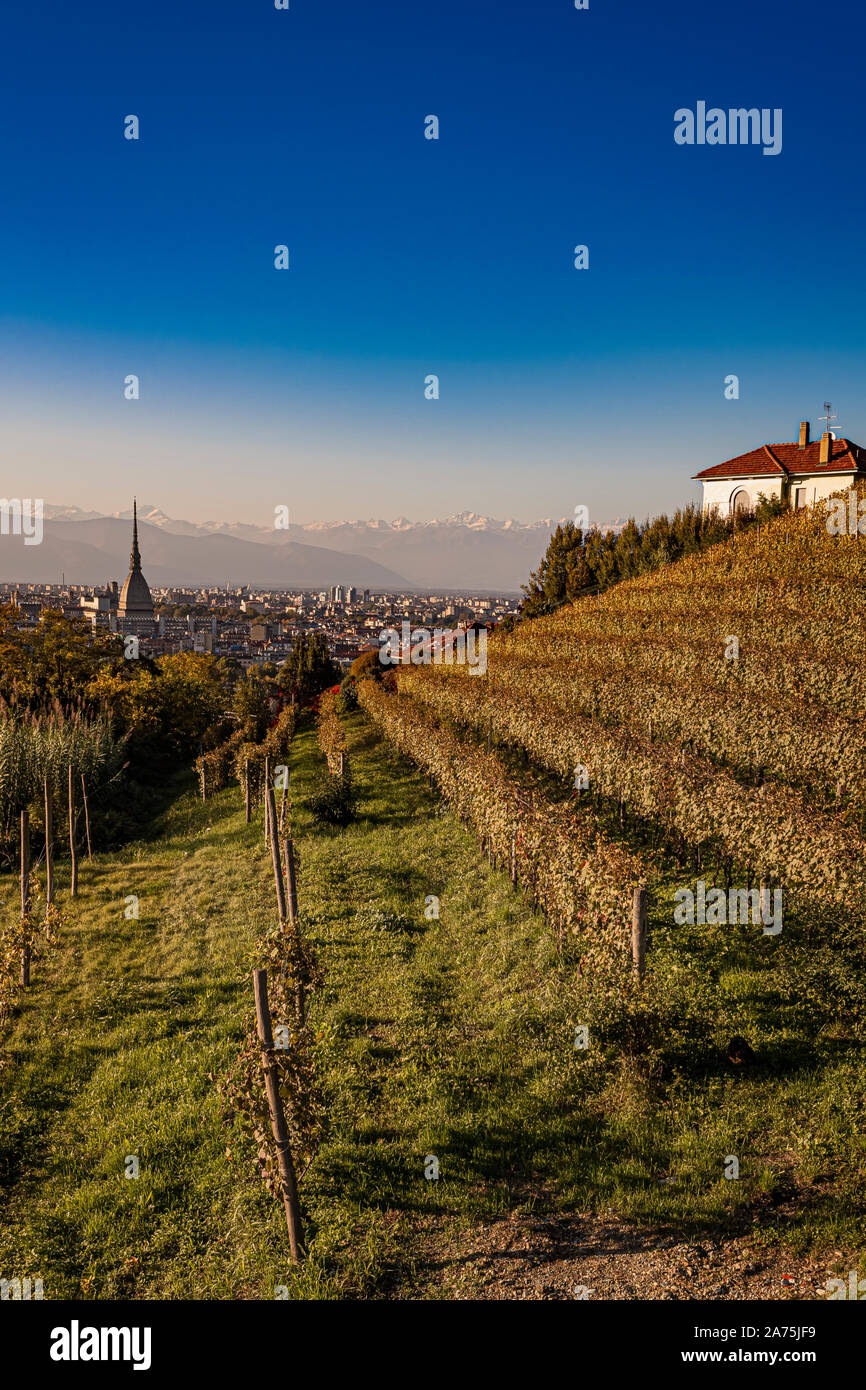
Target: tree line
[(579, 562)]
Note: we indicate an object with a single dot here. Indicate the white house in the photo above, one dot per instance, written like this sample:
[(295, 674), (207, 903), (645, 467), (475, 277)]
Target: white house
[(801, 473)]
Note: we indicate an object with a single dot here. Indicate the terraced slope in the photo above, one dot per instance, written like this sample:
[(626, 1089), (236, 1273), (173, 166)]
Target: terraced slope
[(721, 699)]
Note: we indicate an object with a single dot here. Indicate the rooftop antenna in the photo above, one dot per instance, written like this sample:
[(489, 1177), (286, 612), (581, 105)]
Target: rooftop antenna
[(828, 417)]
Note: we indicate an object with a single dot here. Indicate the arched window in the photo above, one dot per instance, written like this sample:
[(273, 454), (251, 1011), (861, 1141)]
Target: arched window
[(741, 503)]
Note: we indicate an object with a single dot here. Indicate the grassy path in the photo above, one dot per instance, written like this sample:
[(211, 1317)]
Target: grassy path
[(111, 1057), (449, 1037)]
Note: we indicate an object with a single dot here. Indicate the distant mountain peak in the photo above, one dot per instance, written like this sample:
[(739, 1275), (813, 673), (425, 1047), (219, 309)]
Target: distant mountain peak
[(467, 550)]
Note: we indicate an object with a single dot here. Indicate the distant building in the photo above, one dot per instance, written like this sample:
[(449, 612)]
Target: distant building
[(100, 606), (801, 473), (135, 609), (28, 608)]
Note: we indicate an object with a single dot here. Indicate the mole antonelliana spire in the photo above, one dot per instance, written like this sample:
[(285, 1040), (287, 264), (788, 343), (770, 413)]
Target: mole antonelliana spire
[(135, 554), (135, 609)]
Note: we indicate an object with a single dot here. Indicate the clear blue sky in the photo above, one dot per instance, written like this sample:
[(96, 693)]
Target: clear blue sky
[(408, 257)]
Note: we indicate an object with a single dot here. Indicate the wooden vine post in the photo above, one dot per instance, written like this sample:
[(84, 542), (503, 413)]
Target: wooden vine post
[(291, 879), (765, 901), (288, 1181), (86, 816), (73, 881), (275, 857), (638, 931), (294, 924), (247, 790), (49, 845), (25, 897), (267, 799)]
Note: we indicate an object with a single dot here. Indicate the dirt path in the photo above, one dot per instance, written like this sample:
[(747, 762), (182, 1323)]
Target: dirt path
[(568, 1257)]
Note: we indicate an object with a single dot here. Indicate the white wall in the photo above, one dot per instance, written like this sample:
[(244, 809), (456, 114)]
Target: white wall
[(719, 492), (822, 485)]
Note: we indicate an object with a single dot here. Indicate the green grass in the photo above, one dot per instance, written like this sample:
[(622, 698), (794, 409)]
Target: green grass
[(451, 1037)]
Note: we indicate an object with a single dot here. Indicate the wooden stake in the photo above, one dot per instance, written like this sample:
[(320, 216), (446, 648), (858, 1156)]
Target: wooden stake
[(49, 845), (266, 785), (86, 816), (283, 802), (514, 858), (275, 857), (278, 1119), (765, 903), (291, 879), (73, 881), (638, 931), (247, 790), (202, 776), (25, 894), (294, 924)]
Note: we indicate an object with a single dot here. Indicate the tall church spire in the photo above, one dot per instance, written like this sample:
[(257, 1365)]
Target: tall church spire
[(135, 605), (135, 553)]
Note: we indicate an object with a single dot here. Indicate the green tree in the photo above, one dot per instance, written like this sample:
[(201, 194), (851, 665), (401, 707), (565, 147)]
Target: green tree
[(251, 705), (562, 575), (308, 669), (367, 664), (166, 706), (53, 661), (576, 563)]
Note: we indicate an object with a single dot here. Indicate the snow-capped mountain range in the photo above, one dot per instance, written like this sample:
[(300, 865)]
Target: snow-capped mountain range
[(464, 551), (155, 516)]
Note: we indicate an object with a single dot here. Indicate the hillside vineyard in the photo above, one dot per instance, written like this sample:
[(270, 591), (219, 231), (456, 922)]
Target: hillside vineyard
[(720, 700)]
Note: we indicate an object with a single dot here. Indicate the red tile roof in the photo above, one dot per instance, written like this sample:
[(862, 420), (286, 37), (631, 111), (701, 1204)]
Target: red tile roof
[(786, 460)]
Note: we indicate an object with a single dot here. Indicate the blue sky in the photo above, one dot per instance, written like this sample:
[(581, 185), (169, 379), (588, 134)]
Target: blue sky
[(558, 387)]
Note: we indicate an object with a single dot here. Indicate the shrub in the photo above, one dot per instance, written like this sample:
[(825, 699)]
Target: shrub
[(347, 700), (334, 800), (367, 664), (332, 739), (379, 919)]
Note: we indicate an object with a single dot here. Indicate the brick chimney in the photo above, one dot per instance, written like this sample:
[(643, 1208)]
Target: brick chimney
[(826, 447), (804, 434)]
